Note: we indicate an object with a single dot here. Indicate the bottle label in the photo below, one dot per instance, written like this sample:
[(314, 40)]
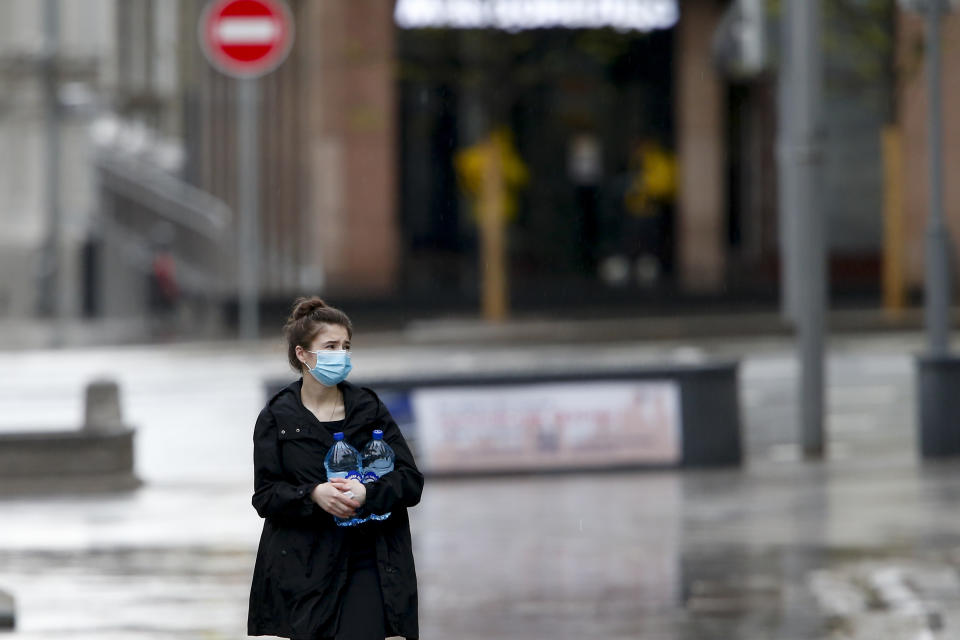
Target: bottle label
[(346, 475)]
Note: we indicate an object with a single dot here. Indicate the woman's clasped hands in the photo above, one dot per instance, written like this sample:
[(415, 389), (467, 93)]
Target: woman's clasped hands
[(340, 497)]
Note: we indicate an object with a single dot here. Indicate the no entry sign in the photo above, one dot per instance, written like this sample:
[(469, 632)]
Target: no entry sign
[(246, 38)]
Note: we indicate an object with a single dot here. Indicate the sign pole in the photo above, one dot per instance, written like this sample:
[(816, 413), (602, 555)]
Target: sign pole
[(938, 239), (246, 39), (808, 298), (786, 193), (51, 299), (937, 371), (248, 194)]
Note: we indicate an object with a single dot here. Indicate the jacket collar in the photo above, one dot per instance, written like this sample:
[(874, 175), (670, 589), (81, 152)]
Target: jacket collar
[(355, 403)]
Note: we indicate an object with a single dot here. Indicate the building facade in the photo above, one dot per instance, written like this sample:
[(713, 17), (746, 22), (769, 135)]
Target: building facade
[(642, 170), (54, 61)]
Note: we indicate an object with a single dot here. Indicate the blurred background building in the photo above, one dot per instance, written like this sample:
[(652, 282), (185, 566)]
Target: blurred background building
[(641, 136)]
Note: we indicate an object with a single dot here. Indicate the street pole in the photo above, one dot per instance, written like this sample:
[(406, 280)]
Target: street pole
[(246, 39), (493, 252), (937, 296), (786, 194), (51, 294), (938, 373), (248, 193), (805, 68)]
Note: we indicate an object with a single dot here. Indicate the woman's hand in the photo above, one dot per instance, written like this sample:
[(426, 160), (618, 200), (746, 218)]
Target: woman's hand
[(334, 500), (354, 486)]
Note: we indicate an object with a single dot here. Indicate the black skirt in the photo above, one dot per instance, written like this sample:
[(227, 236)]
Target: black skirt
[(361, 604)]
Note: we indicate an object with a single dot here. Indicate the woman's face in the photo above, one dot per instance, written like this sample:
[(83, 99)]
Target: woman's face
[(331, 337)]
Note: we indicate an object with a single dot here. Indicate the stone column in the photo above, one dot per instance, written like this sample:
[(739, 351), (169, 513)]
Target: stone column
[(351, 238), (701, 220)]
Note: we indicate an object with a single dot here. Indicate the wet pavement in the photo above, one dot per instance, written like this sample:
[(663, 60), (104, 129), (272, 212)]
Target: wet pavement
[(766, 551)]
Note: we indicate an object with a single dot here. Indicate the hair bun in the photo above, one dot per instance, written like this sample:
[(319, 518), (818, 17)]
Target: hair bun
[(302, 307)]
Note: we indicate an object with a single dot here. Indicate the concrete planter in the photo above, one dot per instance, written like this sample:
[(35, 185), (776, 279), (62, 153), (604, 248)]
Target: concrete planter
[(99, 457), (66, 462)]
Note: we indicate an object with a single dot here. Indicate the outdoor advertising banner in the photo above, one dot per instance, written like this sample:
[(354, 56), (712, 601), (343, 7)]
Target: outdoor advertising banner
[(547, 425)]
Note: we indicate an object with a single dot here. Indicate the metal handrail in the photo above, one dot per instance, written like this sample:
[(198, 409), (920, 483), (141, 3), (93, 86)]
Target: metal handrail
[(173, 198)]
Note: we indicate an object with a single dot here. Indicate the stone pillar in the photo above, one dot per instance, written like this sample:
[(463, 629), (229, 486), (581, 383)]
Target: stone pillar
[(102, 408), (351, 234), (912, 118), (7, 612), (701, 220)]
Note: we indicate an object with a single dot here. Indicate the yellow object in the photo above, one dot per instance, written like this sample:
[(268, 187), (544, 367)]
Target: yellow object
[(493, 242), (471, 164), (655, 181), (491, 173), (894, 287)]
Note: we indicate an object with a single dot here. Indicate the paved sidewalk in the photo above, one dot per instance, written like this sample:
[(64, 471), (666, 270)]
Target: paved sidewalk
[(763, 552), (703, 555)]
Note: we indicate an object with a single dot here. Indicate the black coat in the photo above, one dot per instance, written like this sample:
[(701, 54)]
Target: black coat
[(301, 566)]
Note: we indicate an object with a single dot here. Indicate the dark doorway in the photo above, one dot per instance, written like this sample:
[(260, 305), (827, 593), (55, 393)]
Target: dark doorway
[(578, 105)]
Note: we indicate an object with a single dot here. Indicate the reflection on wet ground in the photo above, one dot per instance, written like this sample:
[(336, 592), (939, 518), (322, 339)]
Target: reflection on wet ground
[(763, 552), (696, 556), (133, 593)]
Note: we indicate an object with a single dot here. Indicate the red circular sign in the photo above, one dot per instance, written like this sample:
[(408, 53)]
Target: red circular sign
[(246, 38)]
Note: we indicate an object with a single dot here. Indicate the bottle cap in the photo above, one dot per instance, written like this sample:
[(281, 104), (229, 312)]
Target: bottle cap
[(378, 434), (338, 435)]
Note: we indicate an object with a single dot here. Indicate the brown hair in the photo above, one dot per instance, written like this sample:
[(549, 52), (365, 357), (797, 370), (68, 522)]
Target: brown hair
[(306, 319)]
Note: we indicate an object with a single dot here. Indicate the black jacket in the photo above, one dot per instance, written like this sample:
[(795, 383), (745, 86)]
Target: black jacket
[(301, 566)]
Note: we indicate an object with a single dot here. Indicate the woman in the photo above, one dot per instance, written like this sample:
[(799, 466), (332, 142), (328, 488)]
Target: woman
[(314, 579)]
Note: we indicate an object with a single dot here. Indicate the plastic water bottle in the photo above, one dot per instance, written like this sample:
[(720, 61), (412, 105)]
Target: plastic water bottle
[(377, 461), (342, 461)]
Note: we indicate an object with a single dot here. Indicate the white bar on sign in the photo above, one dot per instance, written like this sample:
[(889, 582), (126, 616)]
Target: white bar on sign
[(246, 30)]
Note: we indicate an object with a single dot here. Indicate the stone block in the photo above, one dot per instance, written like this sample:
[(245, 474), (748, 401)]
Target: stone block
[(7, 611), (102, 408)]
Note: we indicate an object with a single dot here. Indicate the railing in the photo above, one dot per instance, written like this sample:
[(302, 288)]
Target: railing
[(146, 212)]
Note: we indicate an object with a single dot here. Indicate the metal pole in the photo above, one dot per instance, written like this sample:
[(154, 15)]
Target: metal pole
[(248, 269), (493, 235), (938, 240), (806, 72), (50, 301), (786, 193), (894, 286)]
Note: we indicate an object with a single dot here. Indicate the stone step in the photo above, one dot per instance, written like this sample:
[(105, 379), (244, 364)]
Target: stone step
[(7, 617)]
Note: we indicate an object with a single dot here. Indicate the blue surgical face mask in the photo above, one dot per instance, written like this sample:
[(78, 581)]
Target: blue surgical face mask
[(332, 367)]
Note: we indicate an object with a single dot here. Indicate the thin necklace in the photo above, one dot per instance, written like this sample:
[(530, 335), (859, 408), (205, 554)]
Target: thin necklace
[(334, 409)]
